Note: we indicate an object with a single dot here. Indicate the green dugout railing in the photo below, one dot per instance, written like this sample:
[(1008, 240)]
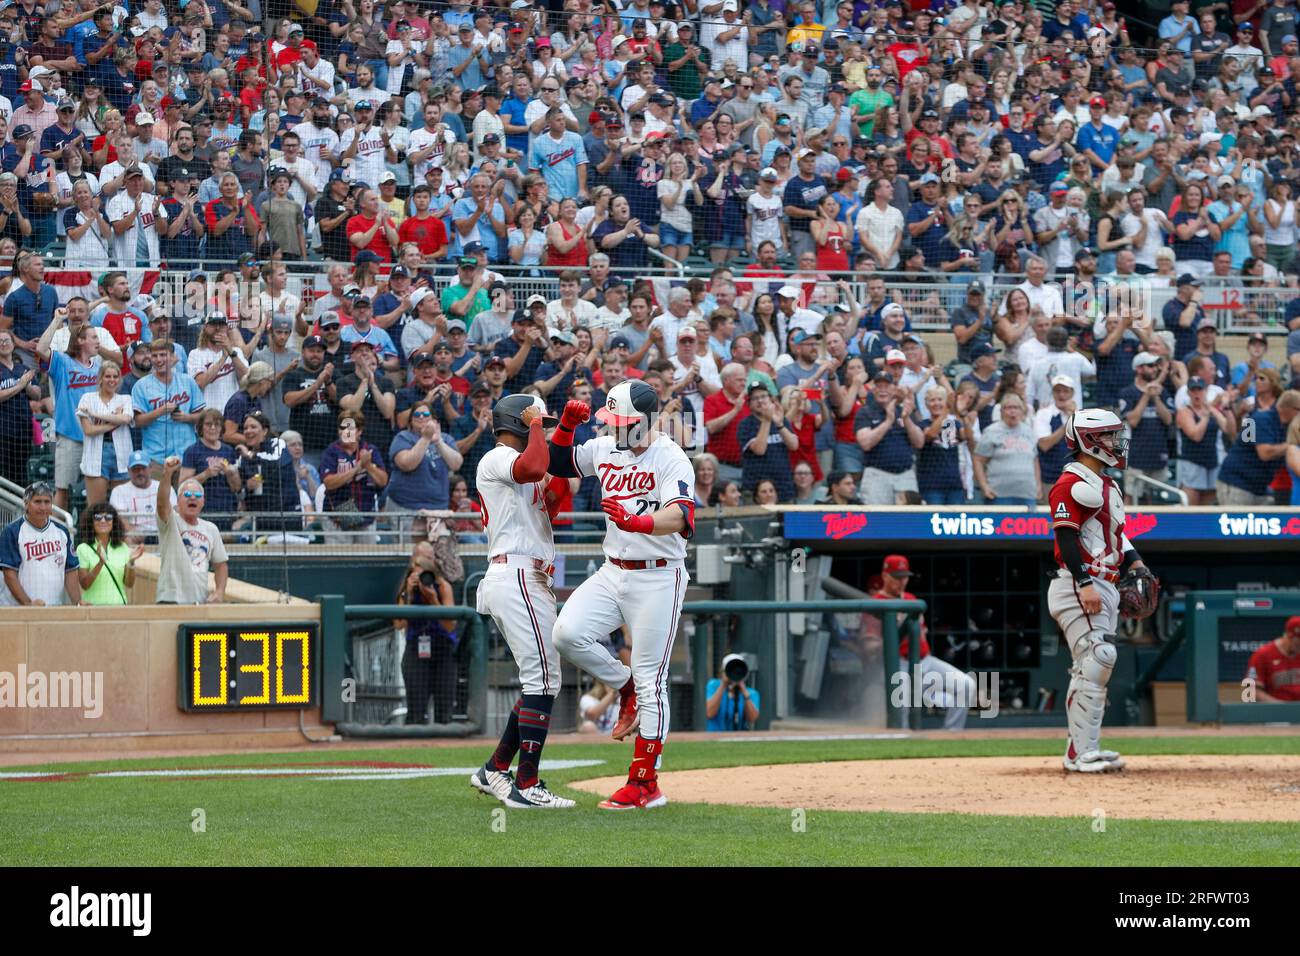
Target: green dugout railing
[(335, 613)]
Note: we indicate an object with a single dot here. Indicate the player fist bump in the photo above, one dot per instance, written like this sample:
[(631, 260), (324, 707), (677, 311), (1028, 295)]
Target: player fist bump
[(635, 524), (529, 415), (575, 413)]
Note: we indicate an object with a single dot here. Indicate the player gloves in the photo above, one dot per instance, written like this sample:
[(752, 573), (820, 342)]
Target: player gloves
[(635, 524), (575, 413)]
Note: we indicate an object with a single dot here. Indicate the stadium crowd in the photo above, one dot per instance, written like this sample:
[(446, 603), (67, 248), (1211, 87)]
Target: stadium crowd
[(1069, 203)]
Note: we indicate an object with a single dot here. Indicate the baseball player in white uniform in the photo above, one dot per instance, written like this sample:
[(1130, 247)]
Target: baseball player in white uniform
[(648, 491), (1092, 552), (516, 591)]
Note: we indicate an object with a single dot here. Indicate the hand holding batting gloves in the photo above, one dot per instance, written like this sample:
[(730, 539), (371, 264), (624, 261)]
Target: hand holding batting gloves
[(634, 524), (574, 414)]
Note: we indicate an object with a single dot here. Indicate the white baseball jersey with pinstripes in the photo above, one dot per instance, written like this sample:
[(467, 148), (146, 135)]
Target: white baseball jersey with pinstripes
[(514, 515), (518, 597), (659, 477)]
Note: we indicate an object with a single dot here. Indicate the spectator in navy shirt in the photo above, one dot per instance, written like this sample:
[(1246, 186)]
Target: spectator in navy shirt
[(766, 440), (473, 431), (889, 433), (1115, 354), (1183, 313), (1256, 455), (524, 350), (984, 373), (29, 307), (1207, 337), (802, 195), (926, 222), (1148, 411)]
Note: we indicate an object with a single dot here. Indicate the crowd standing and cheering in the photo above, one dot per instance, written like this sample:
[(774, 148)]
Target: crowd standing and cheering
[(915, 237)]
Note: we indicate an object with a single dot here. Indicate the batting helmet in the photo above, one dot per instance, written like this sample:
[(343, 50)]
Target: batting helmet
[(629, 410), (1099, 433), (629, 403), (508, 415)]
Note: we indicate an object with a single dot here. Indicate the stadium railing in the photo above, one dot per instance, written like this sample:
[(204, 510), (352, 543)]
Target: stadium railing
[(342, 661)]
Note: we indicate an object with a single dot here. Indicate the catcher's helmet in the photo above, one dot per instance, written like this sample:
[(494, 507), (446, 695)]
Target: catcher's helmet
[(1099, 433), (506, 417)]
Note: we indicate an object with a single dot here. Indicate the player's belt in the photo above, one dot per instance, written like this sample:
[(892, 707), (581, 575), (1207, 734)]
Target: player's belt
[(639, 565), (522, 561), (1109, 574)]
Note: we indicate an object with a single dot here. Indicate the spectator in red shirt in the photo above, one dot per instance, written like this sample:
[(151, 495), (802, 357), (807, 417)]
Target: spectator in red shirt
[(723, 412), (250, 93), (424, 229), (1275, 667), (764, 268), (124, 325), (372, 228)]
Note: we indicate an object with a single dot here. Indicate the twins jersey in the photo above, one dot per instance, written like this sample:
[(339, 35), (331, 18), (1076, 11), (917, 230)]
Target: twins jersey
[(318, 145), (514, 514), (1094, 506), (41, 556), (659, 477), (139, 244), (1276, 674), (422, 139), (368, 161)]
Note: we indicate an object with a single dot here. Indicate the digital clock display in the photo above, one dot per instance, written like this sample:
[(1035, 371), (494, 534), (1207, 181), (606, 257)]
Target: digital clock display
[(247, 666)]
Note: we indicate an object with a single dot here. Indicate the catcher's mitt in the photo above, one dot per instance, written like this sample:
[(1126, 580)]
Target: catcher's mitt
[(1139, 592)]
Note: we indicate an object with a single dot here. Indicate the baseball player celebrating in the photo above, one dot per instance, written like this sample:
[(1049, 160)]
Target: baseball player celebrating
[(1092, 552), (516, 591), (648, 494)]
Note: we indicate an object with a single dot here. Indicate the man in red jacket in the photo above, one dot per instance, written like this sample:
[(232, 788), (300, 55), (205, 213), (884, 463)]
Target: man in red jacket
[(1275, 667), (956, 690)]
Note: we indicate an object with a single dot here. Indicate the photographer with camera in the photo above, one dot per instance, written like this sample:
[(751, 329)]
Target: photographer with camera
[(731, 705), (429, 661)]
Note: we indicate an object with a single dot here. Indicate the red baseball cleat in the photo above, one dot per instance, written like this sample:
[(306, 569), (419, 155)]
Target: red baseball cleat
[(629, 718), (635, 796)]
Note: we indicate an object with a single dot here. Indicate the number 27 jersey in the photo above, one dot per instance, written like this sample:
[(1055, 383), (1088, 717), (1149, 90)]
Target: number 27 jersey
[(660, 477)]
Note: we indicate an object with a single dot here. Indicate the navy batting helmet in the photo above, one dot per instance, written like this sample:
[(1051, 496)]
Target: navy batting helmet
[(629, 410), (629, 403), (507, 416)]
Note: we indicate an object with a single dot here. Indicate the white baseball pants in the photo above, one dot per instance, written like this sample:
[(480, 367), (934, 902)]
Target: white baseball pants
[(649, 601)]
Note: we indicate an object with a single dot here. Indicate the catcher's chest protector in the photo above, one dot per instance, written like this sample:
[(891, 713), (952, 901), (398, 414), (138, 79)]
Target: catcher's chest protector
[(1096, 504)]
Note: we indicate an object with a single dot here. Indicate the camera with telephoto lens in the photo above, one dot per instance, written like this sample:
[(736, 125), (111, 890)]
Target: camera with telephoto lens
[(428, 579), (735, 668)]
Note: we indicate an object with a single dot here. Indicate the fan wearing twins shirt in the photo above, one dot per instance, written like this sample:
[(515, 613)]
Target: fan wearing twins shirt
[(36, 555), (1092, 552), (519, 501), (367, 146), (648, 494), (1275, 667)]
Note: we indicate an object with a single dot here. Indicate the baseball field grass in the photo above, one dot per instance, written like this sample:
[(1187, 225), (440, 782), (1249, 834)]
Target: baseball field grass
[(88, 818)]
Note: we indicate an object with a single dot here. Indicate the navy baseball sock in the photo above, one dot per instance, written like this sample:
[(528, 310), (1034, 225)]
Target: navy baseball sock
[(508, 746), (534, 722)]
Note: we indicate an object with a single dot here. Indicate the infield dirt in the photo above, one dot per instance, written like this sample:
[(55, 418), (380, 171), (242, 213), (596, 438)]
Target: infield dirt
[(1157, 787)]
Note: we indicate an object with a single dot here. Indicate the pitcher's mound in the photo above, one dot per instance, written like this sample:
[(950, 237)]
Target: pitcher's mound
[(1247, 788)]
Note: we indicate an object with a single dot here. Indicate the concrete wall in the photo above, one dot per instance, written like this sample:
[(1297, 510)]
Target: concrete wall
[(135, 649)]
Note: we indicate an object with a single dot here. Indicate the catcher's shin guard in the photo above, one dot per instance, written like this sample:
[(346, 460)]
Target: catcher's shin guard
[(1085, 702)]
